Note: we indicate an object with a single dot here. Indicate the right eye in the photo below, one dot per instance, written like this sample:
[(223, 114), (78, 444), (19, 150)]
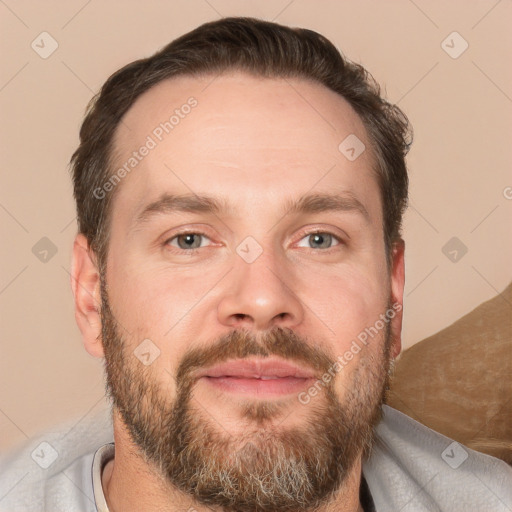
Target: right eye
[(187, 241)]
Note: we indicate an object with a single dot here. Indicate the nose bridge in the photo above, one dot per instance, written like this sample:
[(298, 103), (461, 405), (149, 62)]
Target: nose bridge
[(266, 275), (260, 294)]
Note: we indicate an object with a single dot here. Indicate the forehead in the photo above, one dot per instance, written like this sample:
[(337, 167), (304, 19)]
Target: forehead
[(219, 133)]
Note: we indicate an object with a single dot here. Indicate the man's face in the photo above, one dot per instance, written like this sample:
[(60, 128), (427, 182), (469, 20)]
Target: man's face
[(287, 292)]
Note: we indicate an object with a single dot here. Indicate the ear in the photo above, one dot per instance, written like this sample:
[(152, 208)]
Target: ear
[(397, 295), (85, 284)]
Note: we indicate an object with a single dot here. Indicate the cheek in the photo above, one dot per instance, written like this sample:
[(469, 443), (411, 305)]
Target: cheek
[(347, 299), (350, 302), (148, 298), (162, 306)]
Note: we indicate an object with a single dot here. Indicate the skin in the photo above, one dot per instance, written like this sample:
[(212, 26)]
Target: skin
[(255, 143)]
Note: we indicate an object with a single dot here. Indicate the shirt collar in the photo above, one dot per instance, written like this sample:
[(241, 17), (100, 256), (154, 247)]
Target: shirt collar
[(101, 457)]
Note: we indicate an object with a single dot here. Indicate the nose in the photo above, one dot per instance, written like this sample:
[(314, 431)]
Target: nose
[(259, 296)]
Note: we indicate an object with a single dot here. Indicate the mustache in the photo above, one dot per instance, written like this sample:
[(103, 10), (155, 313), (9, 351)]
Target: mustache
[(241, 343)]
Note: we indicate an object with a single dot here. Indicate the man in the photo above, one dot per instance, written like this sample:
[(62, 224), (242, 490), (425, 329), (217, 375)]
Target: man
[(239, 265)]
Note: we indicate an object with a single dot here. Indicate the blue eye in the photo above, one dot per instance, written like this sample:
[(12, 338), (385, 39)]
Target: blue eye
[(191, 241), (187, 241), (323, 239)]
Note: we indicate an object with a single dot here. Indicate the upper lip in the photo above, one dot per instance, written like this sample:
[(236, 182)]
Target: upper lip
[(256, 368)]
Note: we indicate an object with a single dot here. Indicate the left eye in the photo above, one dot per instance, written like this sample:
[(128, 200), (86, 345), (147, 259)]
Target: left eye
[(323, 240)]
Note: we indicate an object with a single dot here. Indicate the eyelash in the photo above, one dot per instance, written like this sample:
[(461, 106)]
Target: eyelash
[(306, 234)]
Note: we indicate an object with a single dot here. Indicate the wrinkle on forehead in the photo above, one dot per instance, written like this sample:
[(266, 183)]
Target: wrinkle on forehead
[(261, 105)]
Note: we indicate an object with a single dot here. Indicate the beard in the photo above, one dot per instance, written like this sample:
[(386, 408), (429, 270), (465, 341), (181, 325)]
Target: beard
[(269, 466)]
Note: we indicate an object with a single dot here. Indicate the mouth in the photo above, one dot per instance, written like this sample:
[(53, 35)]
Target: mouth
[(261, 377)]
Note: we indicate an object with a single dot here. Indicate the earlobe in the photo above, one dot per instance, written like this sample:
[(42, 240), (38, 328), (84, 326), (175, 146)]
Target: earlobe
[(397, 295), (85, 285)]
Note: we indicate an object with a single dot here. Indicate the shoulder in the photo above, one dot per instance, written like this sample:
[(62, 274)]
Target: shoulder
[(413, 468), (53, 470)]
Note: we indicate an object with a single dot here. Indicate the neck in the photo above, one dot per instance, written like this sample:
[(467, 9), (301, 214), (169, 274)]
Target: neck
[(130, 484)]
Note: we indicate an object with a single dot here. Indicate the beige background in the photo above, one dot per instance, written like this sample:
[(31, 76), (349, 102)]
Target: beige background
[(459, 165)]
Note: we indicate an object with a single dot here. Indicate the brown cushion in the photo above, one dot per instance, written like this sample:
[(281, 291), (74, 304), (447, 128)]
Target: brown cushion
[(459, 381)]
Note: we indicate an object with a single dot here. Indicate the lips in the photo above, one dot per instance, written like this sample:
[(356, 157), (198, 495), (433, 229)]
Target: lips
[(261, 377), (264, 369)]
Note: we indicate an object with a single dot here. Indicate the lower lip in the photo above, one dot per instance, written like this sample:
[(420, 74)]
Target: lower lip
[(280, 386)]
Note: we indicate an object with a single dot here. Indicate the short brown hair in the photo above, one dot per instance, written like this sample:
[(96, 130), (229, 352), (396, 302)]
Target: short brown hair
[(260, 48)]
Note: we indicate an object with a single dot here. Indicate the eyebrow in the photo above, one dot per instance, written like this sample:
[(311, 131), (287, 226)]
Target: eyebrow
[(193, 203)]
